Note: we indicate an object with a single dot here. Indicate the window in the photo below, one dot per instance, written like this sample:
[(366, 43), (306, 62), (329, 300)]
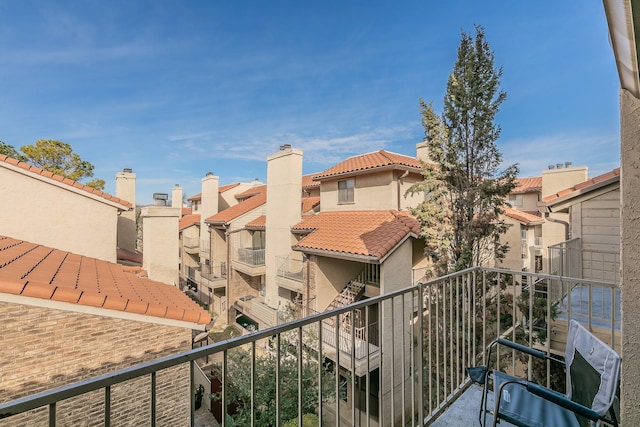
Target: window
[(345, 191), (515, 200)]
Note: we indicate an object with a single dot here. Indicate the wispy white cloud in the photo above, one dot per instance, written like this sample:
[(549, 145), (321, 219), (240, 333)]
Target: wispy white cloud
[(598, 152)]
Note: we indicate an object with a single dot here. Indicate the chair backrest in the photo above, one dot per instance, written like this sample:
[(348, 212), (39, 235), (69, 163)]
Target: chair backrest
[(593, 369)]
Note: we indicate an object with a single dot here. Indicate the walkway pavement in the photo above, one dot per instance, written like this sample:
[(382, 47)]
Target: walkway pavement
[(204, 418)]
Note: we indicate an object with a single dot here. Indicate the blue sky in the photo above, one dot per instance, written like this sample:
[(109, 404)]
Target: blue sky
[(174, 89)]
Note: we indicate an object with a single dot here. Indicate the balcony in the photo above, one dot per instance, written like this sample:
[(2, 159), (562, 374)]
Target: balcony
[(289, 275), (249, 261), (191, 245), (428, 333), (214, 276)]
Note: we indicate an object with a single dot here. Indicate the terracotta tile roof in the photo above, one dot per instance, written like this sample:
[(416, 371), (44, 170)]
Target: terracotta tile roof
[(38, 271), (258, 223), (188, 221), (259, 189), (523, 217), (378, 159), (195, 197), (528, 185), (228, 187), (37, 171), (308, 182), (583, 187), (241, 208), (364, 233), (308, 203), (186, 211)]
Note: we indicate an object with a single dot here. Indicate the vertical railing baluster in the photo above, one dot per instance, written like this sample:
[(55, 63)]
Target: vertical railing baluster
[(107, 406), (278, 379), (192, 398), (381, 335), (404, 368), (393, 362), (52, 414), (224, 374), (320, 373), (353, 367), (153, 398), (337, 368), (300, 408), (253, 383), (368, 377), (421, 360)]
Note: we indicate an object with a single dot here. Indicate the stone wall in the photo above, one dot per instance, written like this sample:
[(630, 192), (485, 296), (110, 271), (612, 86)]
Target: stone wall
[(44, 348)]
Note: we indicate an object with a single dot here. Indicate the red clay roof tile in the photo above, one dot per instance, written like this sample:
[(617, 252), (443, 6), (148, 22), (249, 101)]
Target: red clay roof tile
[(38, 290), (241, 208), (528, 185), (188, 221), (365, 233), (369, 161), (523, 217), (63, 276), (583, 187), (258, 223)]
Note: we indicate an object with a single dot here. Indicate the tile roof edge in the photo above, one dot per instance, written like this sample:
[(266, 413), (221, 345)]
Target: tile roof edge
[(100, 311), (65, 183)]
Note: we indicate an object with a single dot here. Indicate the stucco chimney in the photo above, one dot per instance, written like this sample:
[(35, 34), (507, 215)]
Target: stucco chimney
[(422, 152), (209, 207), (160, 244), (176, 197), (560, 178), (284, 201), (126, 190)]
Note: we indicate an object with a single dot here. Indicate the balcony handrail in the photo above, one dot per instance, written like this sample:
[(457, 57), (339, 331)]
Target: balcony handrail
[(51, 397)]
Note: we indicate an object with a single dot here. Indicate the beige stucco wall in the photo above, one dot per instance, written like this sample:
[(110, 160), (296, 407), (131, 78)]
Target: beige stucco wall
[(330, 276), (554, 180), (56, 215), (373, 191), (127, 230), (395, 274), (66, 347), (284, 201), (630, 250), (160, 252)]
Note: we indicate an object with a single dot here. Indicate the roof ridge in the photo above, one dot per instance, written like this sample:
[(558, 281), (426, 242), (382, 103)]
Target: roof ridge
[(67, 181)]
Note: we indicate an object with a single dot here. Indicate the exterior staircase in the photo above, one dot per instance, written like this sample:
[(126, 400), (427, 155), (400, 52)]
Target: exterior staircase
[(350, 294)]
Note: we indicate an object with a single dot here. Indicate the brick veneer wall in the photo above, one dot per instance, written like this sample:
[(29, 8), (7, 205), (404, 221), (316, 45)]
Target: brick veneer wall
[(44, 348)]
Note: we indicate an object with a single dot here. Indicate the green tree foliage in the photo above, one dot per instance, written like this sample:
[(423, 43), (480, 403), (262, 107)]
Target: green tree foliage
[(464, 190), (58, 157), (10, 151), (239, 386)]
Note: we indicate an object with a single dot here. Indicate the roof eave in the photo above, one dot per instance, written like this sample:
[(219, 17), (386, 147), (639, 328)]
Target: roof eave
[(370, 259), (562, 202), (364, 171)]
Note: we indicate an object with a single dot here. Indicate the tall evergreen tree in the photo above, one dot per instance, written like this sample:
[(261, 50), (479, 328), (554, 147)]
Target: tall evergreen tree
[(464, 190)]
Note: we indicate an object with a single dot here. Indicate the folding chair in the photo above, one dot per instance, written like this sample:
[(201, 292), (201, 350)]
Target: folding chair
[(592, 371)]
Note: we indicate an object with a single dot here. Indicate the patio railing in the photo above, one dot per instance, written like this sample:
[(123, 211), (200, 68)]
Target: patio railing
[(429, 334)]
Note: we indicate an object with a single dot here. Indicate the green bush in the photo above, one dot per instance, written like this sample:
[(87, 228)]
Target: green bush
[(308, 420)]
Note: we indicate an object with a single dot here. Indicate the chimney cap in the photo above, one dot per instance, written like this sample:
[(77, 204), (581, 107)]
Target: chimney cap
[(209, 173), (285, 147), (160, 196), (567, 164), (552, 167), (127, 170)]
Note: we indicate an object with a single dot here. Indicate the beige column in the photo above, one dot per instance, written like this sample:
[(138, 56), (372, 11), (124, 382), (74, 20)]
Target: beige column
[(126, 190), (630, 253), (160, 255)]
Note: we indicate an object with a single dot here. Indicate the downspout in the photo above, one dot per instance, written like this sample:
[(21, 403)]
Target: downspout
[(558, 221), (399, 182)]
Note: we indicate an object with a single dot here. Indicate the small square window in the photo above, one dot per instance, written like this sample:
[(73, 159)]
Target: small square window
[(345, 191)]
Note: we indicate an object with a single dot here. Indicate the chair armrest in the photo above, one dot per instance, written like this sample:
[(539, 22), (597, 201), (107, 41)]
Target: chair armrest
[(523, 348), (561, 400)]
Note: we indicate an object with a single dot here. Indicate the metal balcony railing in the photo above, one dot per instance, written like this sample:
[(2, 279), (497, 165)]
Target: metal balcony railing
[(191, 272), (213, 273), (290, 268), (250, 256), (428, 333)]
